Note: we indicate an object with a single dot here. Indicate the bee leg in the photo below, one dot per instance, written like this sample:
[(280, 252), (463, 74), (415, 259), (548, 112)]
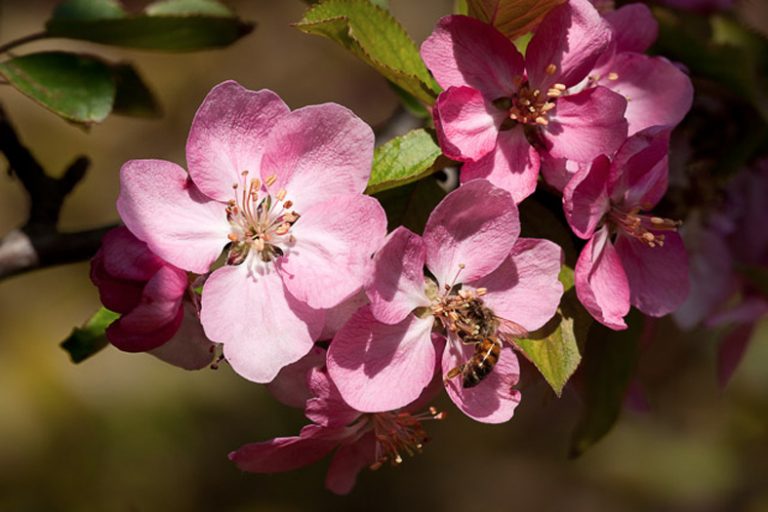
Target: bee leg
[(454, 373)]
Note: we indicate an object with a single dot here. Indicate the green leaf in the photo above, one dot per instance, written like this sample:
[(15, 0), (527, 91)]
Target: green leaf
[(133, 98), (513, 18), (171, 25), (610, 361), (411, 204), (554, 349), (85, 341), (79, 88), (373, 35), (403, 160)]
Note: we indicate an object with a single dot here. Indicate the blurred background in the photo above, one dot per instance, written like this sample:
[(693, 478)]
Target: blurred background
[(126, 432)]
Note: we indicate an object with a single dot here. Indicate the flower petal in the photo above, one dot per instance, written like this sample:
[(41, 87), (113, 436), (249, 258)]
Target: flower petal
[(263, 328), (640, 169), (291, 386), (317, 153), (467, 125), (470, 232), (494, 399), (348, 461), (731, 351), (601, 282), (127, 257), (338, 315), (287, 453), (634, 27), (327, 407), (162, 207), (331, 257), (466, 51), (572, 37), (525, 288), (585, 198), (658, 93), (188, 348), (119, 295), (367, 358), (228, 136), (396, 286), (512, 166), (658, 276), (558, 171), (586, 125)]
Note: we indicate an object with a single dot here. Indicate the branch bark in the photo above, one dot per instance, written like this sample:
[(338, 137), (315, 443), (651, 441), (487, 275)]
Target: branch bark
[(38, 243)]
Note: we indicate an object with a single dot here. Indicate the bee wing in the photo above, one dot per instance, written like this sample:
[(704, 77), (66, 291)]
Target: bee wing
[(511, 329)]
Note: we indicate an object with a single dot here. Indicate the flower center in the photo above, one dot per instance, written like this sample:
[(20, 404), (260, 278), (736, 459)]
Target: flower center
[(259, 222), (530, 106), (646, 228), (399, 433), (465, 315)]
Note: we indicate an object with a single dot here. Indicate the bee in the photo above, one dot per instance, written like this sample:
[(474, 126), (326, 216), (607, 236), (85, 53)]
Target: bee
[(475, 323)]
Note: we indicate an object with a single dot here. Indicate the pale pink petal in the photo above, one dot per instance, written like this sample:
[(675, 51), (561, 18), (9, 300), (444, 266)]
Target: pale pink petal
[(571, 37), (731, 351), (512, 166), (127, 257), (586, 125), (327, 407), (495, 398), (602, 285), (157, 316), (585, 198), (367, 357), (634, 27), (467, 123), (658, 93), (470, 232), (337, 316), (161, 206), (287, 453), (348, 461), (262, 327), (188, 348), (525, 288), (331, 257), (228, 135), (396, 286), (640, 169), (466, 51), (658, 276), (291, 386), (317, 153)]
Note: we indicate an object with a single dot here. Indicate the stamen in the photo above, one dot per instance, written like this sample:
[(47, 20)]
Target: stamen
[(551, 69), (613, 75), (270, 180), (280, 195)]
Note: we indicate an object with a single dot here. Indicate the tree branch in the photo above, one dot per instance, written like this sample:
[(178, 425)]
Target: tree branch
[(38, 243)]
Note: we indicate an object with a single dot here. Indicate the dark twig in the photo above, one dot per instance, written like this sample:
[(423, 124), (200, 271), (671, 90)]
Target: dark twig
[(38, 243), (22, 40)]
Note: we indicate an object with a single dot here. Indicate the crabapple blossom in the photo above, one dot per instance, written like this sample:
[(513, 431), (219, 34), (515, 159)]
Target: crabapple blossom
[(500, 111), (360, 440), (280, 192), (153, 298), (630, 257), (385, 355), (658, 92)]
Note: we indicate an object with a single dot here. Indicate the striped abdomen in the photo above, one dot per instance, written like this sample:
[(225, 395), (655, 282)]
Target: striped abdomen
[(482, 361)]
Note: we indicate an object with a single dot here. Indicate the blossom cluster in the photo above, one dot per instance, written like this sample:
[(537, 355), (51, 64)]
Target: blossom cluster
[(267, 249)]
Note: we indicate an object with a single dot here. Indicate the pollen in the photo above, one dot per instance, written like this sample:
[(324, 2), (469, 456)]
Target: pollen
[(551, 69), (613, 75)]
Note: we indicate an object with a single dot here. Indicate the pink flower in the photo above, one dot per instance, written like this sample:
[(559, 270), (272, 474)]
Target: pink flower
[(495, 101), (152, 297), (480, 272), (658, 93), (281, 192), (630, 257), (359, 440)]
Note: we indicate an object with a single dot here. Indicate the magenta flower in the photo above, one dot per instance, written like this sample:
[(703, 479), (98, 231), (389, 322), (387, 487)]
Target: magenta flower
[(359, 440), (281, 191), (384, 357), (630, 257), (658, 93), (153, 298), (496, 103)]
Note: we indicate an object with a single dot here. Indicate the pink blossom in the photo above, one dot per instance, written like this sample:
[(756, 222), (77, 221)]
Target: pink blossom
[(385, 355), (495, 101), (359, 440), (153, 298), (281, 192), (630, 257), (658, 93)]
